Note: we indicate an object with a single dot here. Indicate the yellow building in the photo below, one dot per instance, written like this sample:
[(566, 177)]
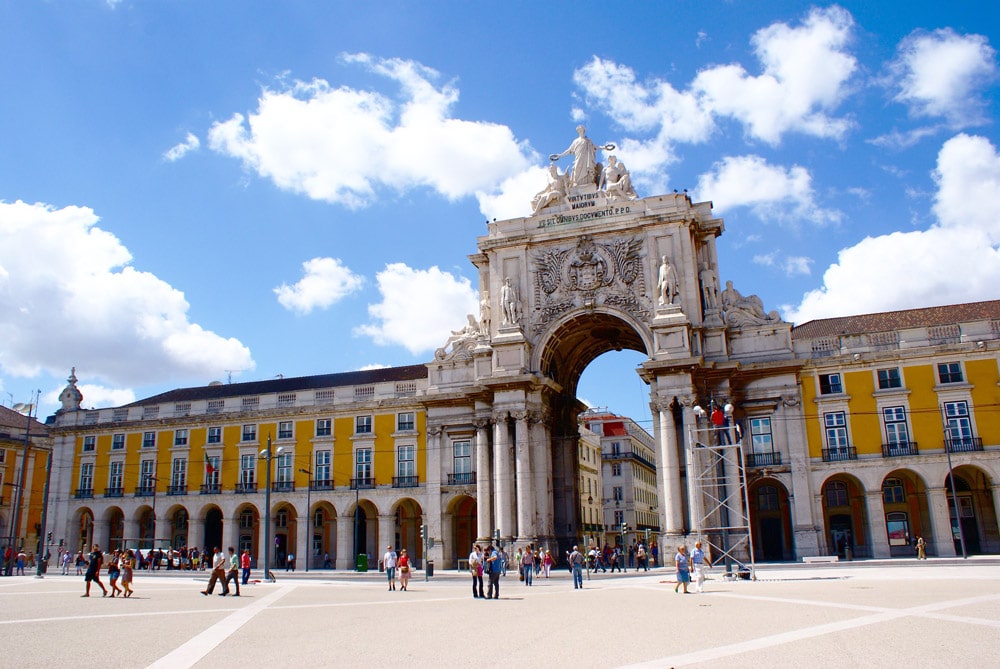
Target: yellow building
[(22, 488)]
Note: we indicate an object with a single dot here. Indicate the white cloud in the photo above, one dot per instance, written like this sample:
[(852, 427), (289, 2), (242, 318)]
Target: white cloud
[(70, 297), (325, 282), (805, 75), (419, 308), (772, 192), (342, 145), (797, 265), (941, 74), (374, 365), (98, 396), (955, 261), (175, 153)]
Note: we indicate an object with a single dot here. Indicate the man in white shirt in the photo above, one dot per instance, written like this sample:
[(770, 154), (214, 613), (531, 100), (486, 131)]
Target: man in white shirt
[(389, 564), (218, 574)]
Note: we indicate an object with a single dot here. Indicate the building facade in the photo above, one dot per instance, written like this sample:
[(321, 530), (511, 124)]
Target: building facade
[(24, 460)]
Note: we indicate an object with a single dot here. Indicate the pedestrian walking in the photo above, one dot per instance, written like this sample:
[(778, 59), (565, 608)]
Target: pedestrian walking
[(576, 564), (21, 559), (683, 568), (234, 571), (404, 565), (290, 562), (67, 559), (93, 574), (127, 565), (527, 565), (218, 574), (245, 565), (699, 563), (547, 562), (389, 564), (921, 549), (114, 571), (493, 567), (476, 568)]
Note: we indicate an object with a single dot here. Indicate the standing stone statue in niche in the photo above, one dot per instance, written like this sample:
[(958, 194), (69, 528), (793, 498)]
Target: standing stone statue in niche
[(485, 313), (554, 193), (616, 181), (584, 158), (510, 303), (709, 290), (747, 310), (667, 282)]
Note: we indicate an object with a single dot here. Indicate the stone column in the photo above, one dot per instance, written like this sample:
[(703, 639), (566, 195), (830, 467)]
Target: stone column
[(526, 526), (943, 541), (669, 459), (386, 536), (344, 559), (130, 531), (303, 538), (694, 462), (484, 487), (503, 470), (541, 459), (876, 521), (432, 512), (196, 534)]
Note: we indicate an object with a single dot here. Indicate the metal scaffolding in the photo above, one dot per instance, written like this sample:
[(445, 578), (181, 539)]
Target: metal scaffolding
[(717, 493)]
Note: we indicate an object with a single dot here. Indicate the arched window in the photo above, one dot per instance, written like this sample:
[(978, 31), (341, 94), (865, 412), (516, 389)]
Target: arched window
[(767, 498), (897, 526), (836, 494)]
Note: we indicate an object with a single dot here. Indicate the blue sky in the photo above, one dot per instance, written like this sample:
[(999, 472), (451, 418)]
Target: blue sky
[(196, 191)]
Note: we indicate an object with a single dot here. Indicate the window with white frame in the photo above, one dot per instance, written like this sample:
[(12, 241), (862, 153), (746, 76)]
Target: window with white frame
[(147, 469), (89, 444), (950, 372), (285, 429), (363, 463), (618, 493), (619, 518), (281, 518), (215, 435), (321, 471), (86, 476), (324, 427), (363, 425), (285, 468), (405, 421), (835, 424), (897, 527), (116, 475), (149, 439), (897, 435), (958, 425), (889, 378), (761, 439), (246, 519), (836, 494), (180, 437), (213, 470), (118, 442), (616, 469), (462, 454), (405, 464), (767, 498), (830, 384), (616, 449), (248, 469), (893, 491), (249, 432), (178, 473)]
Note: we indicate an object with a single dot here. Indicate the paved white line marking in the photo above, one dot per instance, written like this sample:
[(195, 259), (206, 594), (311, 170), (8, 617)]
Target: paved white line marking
[(187, 654), (761, 643)]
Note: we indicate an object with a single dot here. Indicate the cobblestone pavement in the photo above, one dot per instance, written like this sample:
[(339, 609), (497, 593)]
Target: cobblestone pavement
[(934, 613)]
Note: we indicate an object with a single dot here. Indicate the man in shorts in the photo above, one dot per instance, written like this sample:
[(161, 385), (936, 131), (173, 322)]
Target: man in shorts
[(93, 575)]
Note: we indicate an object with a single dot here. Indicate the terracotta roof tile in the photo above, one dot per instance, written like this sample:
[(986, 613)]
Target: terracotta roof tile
[(888, 321)]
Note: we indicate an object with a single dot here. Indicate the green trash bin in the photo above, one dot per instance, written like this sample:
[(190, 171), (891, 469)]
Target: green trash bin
[(362, 563)]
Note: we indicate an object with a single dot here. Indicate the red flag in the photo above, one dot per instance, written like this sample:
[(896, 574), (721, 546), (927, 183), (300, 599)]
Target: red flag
[(209, 469)]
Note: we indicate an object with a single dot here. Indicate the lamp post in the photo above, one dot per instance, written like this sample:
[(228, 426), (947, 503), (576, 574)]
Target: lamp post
[(954, 500), (45, 512), (357, 509), (308, 515), (27, 409), (268, 455)]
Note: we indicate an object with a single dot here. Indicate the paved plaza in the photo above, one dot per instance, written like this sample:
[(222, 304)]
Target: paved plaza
[(910, 614)]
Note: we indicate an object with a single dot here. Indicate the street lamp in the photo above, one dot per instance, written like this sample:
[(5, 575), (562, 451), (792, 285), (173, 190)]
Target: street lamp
[(45, 513), (268, 455), (308, 515), (27, 409)]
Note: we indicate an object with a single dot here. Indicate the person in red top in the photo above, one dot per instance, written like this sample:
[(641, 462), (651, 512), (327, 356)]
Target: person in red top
[(403, 566), (245, 565)]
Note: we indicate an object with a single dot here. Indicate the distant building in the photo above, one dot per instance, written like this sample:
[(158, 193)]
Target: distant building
[(20, 527)]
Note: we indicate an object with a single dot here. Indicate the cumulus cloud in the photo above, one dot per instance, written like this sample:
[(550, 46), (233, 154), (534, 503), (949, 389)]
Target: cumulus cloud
[(956, 260), (69, 296), (325, 281), (343, 145), (942, 74), (178, 151), (770, 191), (419, 308)]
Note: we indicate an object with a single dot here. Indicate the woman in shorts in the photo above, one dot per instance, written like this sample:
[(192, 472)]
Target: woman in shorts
[(114, 571), (403, 566), (127, 565)]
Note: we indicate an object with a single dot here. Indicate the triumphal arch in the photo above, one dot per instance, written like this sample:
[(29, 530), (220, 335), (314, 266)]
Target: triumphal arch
[(595, 268)]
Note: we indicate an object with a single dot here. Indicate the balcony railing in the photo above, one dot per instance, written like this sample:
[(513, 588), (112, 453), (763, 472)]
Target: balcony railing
[(283, 486), (177, 489), (763, 459), (245, 488), (83, 493), (145, 491), (211, 488), (839, 454), (466, 478), (362, 484), (899, 449), (405, 481), (321, 484), (116, 491), (964, 445)]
